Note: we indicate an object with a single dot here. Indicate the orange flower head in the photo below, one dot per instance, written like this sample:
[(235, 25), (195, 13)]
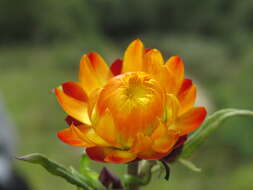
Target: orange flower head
[(136, 109)]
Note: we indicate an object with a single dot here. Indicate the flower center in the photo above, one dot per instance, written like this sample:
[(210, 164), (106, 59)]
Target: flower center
[(135, 100), (137, 89)]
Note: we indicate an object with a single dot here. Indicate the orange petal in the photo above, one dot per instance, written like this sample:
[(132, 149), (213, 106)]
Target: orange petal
[(163, 139), (75, 91), (73, 107), (102, 154), (68, 136), (154, 65), (164, 73), (105, 127), (153, 62), (151, 155), (133, 57), (191, 120), (141, 143), (175, 67), (88, 134), (119, 156), (94, 72), (187, 96), (116, 67)]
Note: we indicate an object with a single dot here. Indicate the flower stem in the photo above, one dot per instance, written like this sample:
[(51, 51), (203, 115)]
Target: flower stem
[(132, 170)]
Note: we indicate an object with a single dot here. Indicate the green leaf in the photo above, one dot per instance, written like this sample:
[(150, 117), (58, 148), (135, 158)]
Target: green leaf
[(71, 175), (210, 125)]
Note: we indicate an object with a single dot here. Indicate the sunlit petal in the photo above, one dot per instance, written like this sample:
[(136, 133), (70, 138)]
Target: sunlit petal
[(105, 127), (175, 68), (133, 58), (94, 72), (73, 107), (88, 134), (153, 62), (68, 136)]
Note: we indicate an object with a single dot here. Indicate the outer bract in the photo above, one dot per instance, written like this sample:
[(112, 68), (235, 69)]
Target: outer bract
[(136, 109)]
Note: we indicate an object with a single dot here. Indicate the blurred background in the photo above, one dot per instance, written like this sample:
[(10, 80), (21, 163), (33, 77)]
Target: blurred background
[(41, 42)]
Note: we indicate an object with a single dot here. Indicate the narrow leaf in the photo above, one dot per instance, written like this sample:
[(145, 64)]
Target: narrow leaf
[(209, 126), (189, 165), (58, 170)]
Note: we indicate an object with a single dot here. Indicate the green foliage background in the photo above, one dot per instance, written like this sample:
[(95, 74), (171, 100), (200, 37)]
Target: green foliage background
[(41, 42)]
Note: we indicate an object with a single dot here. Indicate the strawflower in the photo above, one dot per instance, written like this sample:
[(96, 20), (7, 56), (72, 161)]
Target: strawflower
[(139, 108)]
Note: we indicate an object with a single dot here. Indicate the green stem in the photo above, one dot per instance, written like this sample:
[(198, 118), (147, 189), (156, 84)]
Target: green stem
[(139, 174), (132, 170)]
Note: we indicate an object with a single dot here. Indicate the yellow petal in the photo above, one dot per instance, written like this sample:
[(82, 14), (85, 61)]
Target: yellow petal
[(89, 135), (94, 72), (133, 58), (105, 127), (73, 107), (175, 68)]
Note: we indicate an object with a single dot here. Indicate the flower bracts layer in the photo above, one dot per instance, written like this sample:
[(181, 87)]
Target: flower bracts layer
[(136, 109)]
